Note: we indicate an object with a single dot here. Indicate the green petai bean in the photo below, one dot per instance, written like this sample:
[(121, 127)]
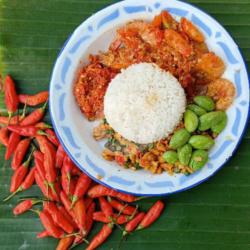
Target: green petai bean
[(205, 102), (201, 141), (184, 154), (196, 109), (179, 138), (191, 121), (218, 127), (199, 159), (170, 157)]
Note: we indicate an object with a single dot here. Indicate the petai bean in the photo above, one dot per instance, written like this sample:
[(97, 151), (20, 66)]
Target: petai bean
[(170, 157), (196, 109), (198, 159), (184, 154), (191, 121), (205, 102), (201, 141), (179, 138), (210, 119), (218, 127)]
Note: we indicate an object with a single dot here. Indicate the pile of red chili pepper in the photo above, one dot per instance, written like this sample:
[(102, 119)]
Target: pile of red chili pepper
[(71, 201)]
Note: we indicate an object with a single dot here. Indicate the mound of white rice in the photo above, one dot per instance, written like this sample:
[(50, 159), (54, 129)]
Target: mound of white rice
[(144, 103)]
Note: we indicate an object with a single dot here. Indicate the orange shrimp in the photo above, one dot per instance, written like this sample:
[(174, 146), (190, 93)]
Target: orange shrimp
[(177, 42), (209, 67), (223, 92), (146, 31), (200, 49), (191, 30)]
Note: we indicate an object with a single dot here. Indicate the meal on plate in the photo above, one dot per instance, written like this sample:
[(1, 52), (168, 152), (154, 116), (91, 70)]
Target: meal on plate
[(159, 94)]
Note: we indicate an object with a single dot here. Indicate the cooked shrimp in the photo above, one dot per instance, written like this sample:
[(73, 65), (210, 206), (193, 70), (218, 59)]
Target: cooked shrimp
[(145, 31), (209, 67), (166, 20), (177, 42), (200, 49), (192, 31), (223, 92)]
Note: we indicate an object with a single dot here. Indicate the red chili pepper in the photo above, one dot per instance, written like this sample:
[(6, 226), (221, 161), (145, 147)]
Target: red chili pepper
[(57, 187), (82, 186), (101, 236), (49, 163), (13, 121), (60, 154), (29, 131), (118, 219), (67, 215), (75, 170), (100, 216), (33, 100), (12, 144), (89, 217), (66, 174), (39, 163), (24, 206), (42, 125), (52, 137), (49, 225), (20, 152), (42, 141), (106, 207), (43, 234), (19, 175), (88, 201), (79, 211), (4, 136), (58, 217), (99, 190), (27, 183), (123, 208), (49, 160), (131, 225), (72, 187), (39, 159), (68, 187), (122, 219), (42, 183), (29, 180), (67, 204), (34, 116), (65, 243), (11, 98), (152, 215)]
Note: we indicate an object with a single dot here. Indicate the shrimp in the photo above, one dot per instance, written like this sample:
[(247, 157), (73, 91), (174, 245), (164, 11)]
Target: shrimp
[(192, 31), (146, 31), (209, 67), (223, 92), (200, 49), (177, 42), (166, 20)]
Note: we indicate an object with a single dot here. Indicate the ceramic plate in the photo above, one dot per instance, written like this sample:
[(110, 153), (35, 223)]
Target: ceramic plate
[(75, 132)]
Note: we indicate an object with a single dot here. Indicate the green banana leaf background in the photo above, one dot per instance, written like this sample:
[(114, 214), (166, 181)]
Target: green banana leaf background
[(214, 215)]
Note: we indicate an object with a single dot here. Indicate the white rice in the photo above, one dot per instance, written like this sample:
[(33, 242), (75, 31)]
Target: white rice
[(144, 103)]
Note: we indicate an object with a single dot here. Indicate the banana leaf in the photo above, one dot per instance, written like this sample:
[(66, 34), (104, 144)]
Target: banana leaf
[(214, 215)]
